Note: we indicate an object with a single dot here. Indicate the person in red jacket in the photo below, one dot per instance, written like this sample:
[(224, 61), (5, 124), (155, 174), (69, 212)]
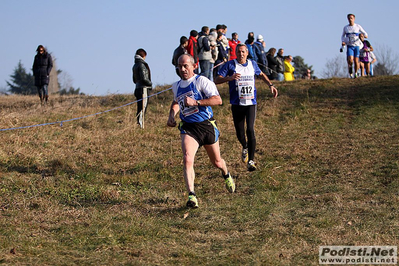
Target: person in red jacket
[(233, 44), (192, 48)]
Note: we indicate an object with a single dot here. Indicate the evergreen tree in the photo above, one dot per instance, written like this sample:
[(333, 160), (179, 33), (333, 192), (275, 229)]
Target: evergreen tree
[(21, 81), (300, 67)]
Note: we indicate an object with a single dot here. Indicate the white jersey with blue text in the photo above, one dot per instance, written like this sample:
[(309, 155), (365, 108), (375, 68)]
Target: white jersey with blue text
[(198, 88), (245, 86), (243, 91), (350, 35)]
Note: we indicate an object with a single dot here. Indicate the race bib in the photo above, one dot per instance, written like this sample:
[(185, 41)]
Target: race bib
[(246, 90), (353, 37), (187, 110)]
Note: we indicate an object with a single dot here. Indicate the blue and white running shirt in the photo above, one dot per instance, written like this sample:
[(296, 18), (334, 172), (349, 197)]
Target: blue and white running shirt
[(198, 88), (350, 35), (242, 91)]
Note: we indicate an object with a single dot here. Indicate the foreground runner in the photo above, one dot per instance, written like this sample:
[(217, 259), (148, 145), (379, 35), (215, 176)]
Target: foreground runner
[(350, 38), (240, 73), (193, 96)]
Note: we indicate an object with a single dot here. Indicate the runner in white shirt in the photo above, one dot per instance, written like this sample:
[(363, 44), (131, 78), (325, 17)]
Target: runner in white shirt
[(350, 38)]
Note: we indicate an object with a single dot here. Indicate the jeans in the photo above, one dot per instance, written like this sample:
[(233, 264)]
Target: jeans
[(206, 69), (280, 76), (43, 91)]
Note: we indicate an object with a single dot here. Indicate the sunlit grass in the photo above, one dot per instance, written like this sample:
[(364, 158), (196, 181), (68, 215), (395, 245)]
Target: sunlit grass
[(101, 191)]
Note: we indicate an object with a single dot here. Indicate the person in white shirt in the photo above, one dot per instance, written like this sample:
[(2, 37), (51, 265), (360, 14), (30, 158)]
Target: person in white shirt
[(350, 38)]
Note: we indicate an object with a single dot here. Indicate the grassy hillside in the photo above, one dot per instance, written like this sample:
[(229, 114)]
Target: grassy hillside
[(102, 191)]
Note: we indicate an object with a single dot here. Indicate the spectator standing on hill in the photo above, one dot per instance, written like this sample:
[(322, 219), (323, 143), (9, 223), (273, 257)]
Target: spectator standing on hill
[(42, 65), (350, 38), (179, 51), (223, 30), (205, 53), (272, 63), (364, 56), (192, 48), (280, 64), (259, 50), (222, 54), (214, 51), (193, 97), (288, 69), (250, 46), (142, 79), (307, 74), (232, 45), (240, 74)]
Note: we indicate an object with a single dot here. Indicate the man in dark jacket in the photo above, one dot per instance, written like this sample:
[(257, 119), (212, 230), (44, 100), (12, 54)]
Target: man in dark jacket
[(280, 66), (142, 79), (179, 51), (42, 66), (259, 51)]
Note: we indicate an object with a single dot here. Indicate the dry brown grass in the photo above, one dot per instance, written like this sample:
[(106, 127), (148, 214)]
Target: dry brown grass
[(101, 191)]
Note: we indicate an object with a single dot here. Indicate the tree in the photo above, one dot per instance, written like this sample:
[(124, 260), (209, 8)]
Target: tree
[(66, 81), (387, 61), (300, 67), (335, 67), (21, 81)]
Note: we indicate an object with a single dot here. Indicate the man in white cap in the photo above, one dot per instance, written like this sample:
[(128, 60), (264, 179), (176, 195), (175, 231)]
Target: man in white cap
[(259, 49)]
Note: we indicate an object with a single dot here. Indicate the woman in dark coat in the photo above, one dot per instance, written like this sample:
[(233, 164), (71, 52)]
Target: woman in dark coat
[(272, 64), (42, 66)]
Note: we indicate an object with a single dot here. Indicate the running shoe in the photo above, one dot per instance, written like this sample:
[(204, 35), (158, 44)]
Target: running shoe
[(230, 185), (251, 166), (192, 202), (244, 155)]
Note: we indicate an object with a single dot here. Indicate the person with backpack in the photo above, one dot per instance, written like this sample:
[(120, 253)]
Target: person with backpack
[(204, 52), (364, 56)]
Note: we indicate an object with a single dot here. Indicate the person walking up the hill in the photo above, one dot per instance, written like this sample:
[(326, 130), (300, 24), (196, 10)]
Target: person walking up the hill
[(240, 74), (350, 38), (142, 79), (193, 97), (42, 66)]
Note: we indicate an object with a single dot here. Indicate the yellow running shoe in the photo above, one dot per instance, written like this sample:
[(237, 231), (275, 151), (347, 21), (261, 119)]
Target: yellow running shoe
[(251, 166), (230, 185), (244, 155), (192, 201)]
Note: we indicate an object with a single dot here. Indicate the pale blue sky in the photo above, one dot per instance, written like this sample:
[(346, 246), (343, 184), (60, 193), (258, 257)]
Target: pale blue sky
[(94, 41)]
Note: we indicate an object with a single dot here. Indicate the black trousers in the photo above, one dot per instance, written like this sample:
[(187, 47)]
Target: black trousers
[(242, 115)]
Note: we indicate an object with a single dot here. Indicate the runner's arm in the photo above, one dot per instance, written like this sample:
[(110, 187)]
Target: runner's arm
[(220, 79), (269, 83), (174, 109), (211, 101)]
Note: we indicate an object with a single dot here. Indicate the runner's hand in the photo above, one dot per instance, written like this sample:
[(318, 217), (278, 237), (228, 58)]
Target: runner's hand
[(188, 101), (274, 91), (171, 121)]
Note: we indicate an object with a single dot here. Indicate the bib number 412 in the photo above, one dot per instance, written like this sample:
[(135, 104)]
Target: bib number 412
[(246, 90)]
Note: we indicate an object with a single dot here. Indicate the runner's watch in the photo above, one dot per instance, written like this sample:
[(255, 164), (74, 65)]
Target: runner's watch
[(198, 103)]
